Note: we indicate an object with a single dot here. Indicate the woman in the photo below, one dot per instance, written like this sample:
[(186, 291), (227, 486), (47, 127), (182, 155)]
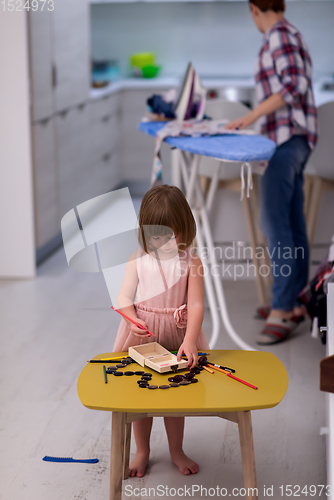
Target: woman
[(287, 115)]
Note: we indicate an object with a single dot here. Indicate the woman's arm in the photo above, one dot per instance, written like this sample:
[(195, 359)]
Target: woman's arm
[(195, 312), (269, 105), (127, 294)]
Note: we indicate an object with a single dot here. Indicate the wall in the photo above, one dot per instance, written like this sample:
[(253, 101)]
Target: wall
[(219, 37), (17, 249)]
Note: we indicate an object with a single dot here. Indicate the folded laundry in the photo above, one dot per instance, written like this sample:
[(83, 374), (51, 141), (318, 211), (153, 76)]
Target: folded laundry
[(159, 106)]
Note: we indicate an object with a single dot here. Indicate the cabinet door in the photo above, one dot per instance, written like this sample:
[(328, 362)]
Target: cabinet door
[(41, 69), (105, 174), (71, 52), (105, 134), (74, 155), (47, 216)]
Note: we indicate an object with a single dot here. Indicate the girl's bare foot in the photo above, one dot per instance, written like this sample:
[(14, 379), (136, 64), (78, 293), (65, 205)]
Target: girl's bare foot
[(138, 465), (184, 463)]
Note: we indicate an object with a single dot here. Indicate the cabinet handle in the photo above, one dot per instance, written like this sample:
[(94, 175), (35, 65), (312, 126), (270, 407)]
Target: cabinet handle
[(105, 119), (45, 121), (106, 157), (54, 76)]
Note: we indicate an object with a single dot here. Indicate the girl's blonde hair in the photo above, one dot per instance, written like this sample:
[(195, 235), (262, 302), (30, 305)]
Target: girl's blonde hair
[(166, 207)]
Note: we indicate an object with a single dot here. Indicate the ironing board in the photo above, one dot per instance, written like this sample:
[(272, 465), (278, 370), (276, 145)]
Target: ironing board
[(240, 148)]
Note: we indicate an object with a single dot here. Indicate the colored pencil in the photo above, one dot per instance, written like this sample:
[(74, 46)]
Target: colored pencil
[(208, 369), (132, 321), (199, 353), (103, 361), (232, 376), (118, 358), (105, 374), (223, 367)]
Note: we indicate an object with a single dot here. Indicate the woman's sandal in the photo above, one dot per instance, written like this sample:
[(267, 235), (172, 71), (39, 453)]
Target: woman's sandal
[(262, 312), (278, 329)]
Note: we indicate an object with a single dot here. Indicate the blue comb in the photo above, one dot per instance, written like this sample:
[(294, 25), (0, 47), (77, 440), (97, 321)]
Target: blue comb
[(64, 460)]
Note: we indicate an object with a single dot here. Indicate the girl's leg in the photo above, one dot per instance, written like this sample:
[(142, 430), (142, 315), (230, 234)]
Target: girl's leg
[(142, 432), (175, 428)]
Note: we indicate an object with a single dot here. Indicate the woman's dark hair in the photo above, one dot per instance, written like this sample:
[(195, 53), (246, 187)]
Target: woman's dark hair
[(274, 5), (165, 207)]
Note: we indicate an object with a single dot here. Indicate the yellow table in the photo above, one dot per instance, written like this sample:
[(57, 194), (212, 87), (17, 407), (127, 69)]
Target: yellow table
[(213, 395)]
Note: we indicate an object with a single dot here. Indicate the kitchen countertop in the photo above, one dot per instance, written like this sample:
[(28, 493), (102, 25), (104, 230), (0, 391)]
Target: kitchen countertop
[(321, 96), (168, 82)]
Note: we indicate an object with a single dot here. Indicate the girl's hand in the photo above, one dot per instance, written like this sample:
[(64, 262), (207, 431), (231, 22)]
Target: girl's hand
[(138, 332), (190, 350)]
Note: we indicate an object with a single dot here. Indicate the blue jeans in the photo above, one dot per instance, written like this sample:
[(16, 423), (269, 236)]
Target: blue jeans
[(283, 222)]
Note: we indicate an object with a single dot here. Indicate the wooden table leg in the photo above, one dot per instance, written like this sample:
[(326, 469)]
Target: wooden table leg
[(247, 453), (127, 444), (117, 454)]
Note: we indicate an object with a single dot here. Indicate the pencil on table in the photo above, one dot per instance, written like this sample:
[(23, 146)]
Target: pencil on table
[(105, 374), (110, 359), (208, 369), (233, 376)]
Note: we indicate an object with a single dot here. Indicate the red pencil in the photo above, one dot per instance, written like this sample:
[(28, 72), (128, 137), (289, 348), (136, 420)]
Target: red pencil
[(231, 376), (132, 321)]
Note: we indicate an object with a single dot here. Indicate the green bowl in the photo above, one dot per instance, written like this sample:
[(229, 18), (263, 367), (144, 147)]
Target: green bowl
[(150, 71), (142, 59)]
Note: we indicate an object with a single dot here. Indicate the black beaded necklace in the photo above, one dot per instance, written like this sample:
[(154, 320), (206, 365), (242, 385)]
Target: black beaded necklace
[(175, 381)]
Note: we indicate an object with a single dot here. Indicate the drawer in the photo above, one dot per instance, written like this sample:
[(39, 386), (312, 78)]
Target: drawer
[(107, 106), (105, 134), (104, 176)]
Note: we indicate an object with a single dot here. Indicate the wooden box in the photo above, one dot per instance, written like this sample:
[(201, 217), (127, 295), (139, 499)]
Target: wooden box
[(156, 357)]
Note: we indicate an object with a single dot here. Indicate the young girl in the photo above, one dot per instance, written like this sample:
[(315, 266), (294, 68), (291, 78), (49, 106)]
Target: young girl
[(163, 291)]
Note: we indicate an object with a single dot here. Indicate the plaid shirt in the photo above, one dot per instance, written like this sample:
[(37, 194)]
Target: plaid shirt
[(284, 66)]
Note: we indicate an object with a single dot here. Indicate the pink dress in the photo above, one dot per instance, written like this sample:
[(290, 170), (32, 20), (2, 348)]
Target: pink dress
[(160, 301)]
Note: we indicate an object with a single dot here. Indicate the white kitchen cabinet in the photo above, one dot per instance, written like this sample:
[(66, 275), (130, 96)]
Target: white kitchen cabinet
[(86, 150), (105, 125), (59, 43), (46, 182), (74, 155), (71, 53), (105, 134), (41, 63), (105, 174)]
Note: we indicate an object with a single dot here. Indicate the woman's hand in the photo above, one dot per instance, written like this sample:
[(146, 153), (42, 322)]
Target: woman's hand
[(242, 122), (190, 350), (269, 105), (138, 332)]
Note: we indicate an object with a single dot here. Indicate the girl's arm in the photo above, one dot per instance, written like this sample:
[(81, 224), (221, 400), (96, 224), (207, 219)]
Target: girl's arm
[(127, 294), (195, 312)]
